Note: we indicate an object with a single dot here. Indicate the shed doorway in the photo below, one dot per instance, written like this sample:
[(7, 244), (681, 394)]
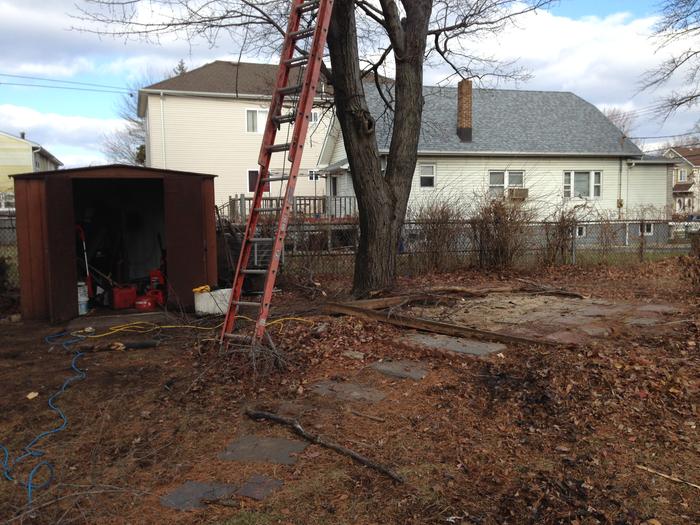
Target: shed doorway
[(123, 224)]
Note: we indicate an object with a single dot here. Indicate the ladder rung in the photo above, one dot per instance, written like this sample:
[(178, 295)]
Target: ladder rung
[(261, 239), (290, 90), (296, 61), (242, 339), (302, 33), (246, 303), (272, 148), (253, 271), (276, 178), (263, 210), (308, 6), (281, 119)]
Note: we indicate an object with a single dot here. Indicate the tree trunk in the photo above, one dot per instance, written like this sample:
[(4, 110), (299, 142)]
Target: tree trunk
[(382, 198)]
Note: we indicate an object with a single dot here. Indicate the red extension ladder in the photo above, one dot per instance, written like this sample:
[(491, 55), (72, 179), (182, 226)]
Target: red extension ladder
[(305, 13)]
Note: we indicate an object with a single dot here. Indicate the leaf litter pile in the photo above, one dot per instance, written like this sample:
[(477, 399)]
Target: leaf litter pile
[(603, 432)]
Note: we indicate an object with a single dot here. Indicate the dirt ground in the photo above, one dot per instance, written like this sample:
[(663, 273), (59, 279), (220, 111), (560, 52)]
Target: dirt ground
[(535, 434)]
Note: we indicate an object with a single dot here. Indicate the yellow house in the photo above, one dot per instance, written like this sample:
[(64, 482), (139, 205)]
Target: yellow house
[(19, 155)]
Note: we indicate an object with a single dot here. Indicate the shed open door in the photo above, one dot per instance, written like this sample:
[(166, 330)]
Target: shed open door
[(184, 238)]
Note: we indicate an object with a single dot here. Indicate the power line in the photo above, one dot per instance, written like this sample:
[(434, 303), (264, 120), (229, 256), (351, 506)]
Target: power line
[(666, 136), (124, 92), (44, 79)]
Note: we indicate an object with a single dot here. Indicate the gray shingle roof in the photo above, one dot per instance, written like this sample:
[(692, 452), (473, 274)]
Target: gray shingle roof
[(510, 121)]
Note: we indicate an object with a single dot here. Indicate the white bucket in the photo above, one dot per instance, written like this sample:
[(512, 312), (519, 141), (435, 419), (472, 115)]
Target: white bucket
[(82, 298)]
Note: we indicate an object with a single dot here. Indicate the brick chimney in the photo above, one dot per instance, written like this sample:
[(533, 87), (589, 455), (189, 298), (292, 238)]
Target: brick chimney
[(464, 110)]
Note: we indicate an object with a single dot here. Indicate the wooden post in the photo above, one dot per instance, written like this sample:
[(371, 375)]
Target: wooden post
[(242, 208)]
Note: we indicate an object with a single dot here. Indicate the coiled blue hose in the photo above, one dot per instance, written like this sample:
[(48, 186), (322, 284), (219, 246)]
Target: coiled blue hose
[(29, 451)]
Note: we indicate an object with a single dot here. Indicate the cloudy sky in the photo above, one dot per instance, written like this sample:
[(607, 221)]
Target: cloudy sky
[(595, 48)]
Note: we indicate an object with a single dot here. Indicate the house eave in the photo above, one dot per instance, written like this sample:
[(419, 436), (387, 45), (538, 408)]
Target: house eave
[(439, 153), (143, 94)]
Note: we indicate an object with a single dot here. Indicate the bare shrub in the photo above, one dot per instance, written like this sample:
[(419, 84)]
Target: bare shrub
[(436, 234), (499, 233), (558, 237)]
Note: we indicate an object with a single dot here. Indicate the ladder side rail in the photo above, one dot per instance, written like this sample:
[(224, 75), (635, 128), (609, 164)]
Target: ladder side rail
[(306, 100), (264, 159)]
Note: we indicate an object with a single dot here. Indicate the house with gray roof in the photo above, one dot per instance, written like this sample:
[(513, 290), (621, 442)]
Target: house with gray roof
[(550, 149)]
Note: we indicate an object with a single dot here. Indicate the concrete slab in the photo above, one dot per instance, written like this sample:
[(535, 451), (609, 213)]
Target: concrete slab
[(455, 344), (596, 331), (642, 321), (263, 449), (259, 487), (192, 494), (658, 309), (401, 369), (348, 391)]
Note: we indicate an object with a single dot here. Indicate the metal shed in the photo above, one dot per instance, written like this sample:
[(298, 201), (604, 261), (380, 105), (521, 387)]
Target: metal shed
[(176, 206)]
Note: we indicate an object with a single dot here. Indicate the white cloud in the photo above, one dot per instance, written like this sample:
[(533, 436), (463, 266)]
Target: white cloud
[(80, 137)]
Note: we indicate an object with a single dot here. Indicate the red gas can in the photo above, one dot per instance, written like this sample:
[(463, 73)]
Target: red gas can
[(123, 296)]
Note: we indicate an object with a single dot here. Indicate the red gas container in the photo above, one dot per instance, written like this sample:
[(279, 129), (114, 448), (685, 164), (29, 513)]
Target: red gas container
[(123, 296)]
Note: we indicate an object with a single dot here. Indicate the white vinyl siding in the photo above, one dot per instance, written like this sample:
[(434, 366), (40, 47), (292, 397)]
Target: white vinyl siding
[(208, 135), (643, 186)]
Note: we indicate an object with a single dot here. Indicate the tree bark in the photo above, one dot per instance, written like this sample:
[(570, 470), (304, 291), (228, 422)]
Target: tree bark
[(382, 198)]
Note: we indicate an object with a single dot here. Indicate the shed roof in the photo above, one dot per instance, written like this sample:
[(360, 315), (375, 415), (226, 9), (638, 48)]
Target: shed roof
[(110, 171), (510, 122)]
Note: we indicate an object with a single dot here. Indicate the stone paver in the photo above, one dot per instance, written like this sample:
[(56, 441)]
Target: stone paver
[(401, 369), (191, 495), (596, 331), (259, 487), (348, 391), (455, 344), (263, 449)]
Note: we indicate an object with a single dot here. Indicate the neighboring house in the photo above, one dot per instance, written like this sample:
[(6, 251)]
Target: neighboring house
[(686, 186), (552, 150), (211, 120), (19, 155)]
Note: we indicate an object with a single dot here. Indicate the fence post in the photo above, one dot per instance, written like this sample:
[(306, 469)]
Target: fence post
[(642, 240), (574, 231), (242, 207), (231, 209)]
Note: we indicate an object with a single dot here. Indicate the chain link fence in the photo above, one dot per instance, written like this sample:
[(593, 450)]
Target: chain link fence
[(329, 247), (9, 271)]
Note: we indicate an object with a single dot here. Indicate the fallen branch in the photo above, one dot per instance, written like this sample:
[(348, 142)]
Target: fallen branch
[(428, 325), (666, 476), (319, 440), (368, 416)]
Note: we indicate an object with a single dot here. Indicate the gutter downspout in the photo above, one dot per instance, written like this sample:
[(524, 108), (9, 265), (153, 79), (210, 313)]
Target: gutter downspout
[(619, 190), (34, 152), (162, 129)]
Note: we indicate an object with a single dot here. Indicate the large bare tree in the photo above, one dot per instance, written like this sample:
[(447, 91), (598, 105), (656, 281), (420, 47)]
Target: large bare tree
[(366, 38), (678, 31)]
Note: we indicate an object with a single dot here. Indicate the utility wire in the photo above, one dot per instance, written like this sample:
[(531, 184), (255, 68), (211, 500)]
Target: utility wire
[(92, 90), (666, 136), (44, 79)]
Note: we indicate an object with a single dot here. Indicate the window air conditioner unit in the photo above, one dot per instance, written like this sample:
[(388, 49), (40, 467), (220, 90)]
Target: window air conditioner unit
[(517, 194)]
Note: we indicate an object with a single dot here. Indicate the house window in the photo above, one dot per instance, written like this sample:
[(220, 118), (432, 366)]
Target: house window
[(255, 120), (252, 179), (583, 184), (646, 229), (682, 175), (427, 175), (580, 231), (334, 186), (500, 180), (314, 175)]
